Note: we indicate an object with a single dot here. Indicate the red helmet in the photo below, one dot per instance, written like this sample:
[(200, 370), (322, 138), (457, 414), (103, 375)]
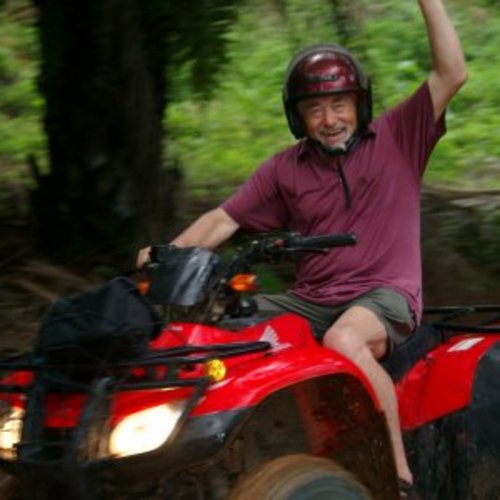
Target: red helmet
[(320, 70)]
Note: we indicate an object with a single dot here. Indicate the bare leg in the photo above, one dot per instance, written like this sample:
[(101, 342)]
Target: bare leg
[(360, 336)]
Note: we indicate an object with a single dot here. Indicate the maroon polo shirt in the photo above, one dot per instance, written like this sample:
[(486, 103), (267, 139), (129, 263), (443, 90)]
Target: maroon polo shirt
[(377, 198)]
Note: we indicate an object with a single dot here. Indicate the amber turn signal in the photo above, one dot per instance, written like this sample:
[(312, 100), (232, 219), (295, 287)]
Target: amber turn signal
[(143, 286), (243, 282), (215, 369)]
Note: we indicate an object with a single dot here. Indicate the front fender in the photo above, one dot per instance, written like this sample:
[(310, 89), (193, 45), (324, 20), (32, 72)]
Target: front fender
[(329, 416), (250, 382)]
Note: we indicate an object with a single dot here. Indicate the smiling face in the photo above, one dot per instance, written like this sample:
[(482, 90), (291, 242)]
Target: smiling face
[(330, 119)]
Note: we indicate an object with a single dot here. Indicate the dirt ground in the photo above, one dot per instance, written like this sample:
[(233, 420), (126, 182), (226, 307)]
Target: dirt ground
[(28, 285)]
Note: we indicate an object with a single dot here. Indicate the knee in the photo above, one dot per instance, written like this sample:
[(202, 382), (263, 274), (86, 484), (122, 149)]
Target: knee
[(345, 342)]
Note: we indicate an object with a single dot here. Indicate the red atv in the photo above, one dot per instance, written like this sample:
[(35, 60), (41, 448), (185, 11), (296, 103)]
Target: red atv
[(222, 402)]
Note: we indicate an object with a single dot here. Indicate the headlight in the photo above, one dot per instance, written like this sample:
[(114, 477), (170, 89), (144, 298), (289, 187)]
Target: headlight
[(11, 425), (145, 430)]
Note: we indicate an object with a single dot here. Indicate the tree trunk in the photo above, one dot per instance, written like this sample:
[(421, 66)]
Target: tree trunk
[(102, 74)]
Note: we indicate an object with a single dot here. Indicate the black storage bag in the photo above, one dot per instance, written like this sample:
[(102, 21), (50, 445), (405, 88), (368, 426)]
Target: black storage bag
[(113, 322)]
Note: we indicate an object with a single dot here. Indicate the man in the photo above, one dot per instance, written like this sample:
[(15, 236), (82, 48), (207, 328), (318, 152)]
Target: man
[(349, 174)]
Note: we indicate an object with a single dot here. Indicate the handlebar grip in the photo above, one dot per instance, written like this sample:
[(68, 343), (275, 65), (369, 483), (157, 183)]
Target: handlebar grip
[(322, 241)]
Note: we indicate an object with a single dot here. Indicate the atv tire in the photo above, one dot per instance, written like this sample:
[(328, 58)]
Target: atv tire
[(299, 477)]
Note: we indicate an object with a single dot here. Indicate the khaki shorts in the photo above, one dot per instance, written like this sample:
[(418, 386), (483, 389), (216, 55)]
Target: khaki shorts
[(390, 307)]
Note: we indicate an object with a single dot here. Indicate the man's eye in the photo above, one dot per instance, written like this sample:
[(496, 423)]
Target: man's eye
[(314, 112)]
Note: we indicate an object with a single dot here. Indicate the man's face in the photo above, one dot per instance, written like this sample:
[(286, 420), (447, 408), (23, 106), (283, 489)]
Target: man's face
[(330, 119)]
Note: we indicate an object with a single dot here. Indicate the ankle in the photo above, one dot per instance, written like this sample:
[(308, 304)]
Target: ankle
[(405, 475)]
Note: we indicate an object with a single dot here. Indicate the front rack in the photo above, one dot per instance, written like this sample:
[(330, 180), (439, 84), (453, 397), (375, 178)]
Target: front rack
[(171, 361)]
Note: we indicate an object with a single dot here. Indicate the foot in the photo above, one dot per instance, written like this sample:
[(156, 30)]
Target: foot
[(407, 490)]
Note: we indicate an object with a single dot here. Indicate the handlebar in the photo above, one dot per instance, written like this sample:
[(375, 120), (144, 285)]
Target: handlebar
[(296, 240), (266, 248), (261, 249)]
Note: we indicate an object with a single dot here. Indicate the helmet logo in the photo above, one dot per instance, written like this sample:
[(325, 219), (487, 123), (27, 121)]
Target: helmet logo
[(322, 78)]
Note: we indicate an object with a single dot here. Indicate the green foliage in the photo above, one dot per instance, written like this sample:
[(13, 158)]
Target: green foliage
[(20, 104), (220, 142), (196, 39)]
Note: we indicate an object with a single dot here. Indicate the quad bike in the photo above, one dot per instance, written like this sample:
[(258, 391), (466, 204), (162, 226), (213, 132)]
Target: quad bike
[(223, 402)]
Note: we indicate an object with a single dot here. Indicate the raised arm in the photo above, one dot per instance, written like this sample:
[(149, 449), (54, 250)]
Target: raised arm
[(449, 71), (208, 231)]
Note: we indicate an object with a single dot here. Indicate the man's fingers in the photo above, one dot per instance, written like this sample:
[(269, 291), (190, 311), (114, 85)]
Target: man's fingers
[(142, 257)]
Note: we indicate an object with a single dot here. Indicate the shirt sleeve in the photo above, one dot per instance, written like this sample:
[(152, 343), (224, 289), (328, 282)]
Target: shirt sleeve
[(414, 128), (258, 204)]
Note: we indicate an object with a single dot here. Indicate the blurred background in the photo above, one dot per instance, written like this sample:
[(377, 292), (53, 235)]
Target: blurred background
[(122, 120)]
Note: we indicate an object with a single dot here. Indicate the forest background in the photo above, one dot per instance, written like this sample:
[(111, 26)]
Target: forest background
[(221, 116)]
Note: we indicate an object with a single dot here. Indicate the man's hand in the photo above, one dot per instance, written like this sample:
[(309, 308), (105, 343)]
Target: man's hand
[(142, 257)]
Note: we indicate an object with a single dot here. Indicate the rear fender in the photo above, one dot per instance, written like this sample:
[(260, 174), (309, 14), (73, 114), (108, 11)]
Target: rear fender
[(458, 456), (442, 382)]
